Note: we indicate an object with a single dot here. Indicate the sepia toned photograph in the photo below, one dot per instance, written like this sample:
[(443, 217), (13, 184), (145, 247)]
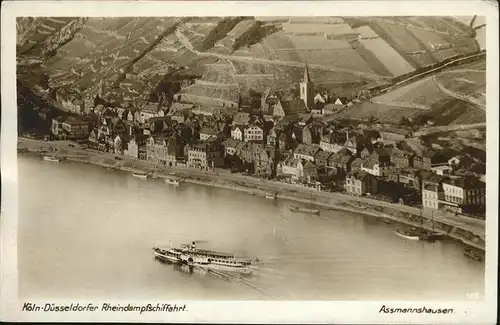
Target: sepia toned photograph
[(251, 158)]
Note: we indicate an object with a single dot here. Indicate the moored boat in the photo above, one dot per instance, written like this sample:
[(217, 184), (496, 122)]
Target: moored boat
[(50, 158), (408, 234), (472, 254), (271, 196), (140, 175), (299, 209), (172, 181)]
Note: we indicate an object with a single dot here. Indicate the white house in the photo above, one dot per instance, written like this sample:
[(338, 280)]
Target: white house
[(430, 196), (118, 145), (132, 149), (321, 98), (464, 190), (442, 170), (292, 167), (237, 133), (253, 133), (454, 161)]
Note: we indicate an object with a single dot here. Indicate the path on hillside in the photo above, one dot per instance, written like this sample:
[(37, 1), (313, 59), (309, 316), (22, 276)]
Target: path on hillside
[(187, 44), (454, 94), (433, 70), (436, 129)]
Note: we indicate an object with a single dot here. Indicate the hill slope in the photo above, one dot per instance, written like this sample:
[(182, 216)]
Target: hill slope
[(127, 60)]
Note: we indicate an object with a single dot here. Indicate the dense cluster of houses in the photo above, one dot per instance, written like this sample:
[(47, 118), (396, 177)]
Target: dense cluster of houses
[(284, 141)]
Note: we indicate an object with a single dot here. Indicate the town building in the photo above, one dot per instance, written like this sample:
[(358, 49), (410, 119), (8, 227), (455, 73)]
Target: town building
[(56, 127), (464, 191), (237, 132), (375, 168), (207, 133), (230, 146), (402, 158), (74, 128), (442, 170), (203, 156), (411, 177), (431, 195), (330, 143), (303, 151), (148, 111), (355, 143), (132, 149), (357, 164), (264, 162), (272, 138), (321, 158), (241, 118), (307, 135), (253, 133), (341, 162), (360, 183), (381, 155)]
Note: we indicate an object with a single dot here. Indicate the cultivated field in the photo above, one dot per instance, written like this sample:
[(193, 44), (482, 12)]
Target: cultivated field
[(391, 59), (423, 92)]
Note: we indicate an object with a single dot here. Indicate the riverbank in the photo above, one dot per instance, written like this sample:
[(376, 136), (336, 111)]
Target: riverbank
[(464, 233)]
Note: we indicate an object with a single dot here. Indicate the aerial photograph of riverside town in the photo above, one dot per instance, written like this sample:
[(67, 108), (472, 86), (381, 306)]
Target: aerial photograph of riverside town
[(252, 158)]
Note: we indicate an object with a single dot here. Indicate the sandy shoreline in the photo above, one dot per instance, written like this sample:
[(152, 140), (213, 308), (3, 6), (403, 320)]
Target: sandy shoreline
[(259, 188)]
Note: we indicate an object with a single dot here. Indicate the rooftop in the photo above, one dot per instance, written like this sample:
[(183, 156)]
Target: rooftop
[(307, 150)]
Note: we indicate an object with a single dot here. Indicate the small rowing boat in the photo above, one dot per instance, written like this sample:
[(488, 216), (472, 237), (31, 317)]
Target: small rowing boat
[(299, 209), (472, 254), (408, 234), (50, 158), (172, 181), (140, 175), (271, 196)]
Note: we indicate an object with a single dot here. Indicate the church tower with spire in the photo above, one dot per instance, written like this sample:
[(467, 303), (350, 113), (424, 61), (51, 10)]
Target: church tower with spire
[(306, 89)]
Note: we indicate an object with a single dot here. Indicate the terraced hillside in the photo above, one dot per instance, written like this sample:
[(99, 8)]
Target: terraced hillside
[(124, 60), (455, 96)]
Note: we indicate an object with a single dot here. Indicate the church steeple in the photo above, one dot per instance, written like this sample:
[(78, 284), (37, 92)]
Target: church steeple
[(306, 88), (306, 77)]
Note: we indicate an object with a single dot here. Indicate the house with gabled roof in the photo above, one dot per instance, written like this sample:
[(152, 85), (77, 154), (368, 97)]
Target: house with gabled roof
[(230, 146), (241, 118), (306, 152), (237, 132), (207, 133), (253, 133), (360, 183)]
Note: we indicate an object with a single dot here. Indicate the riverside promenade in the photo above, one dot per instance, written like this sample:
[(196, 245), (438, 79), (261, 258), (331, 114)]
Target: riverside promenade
[(467, 230)]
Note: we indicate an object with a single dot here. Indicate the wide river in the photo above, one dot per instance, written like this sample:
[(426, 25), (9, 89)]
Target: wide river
[(85, 232)]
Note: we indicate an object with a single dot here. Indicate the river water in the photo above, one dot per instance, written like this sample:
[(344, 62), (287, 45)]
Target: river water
[(85, 232)]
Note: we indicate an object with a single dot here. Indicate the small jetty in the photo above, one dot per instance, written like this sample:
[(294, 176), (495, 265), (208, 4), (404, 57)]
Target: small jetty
[(306, 210)]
